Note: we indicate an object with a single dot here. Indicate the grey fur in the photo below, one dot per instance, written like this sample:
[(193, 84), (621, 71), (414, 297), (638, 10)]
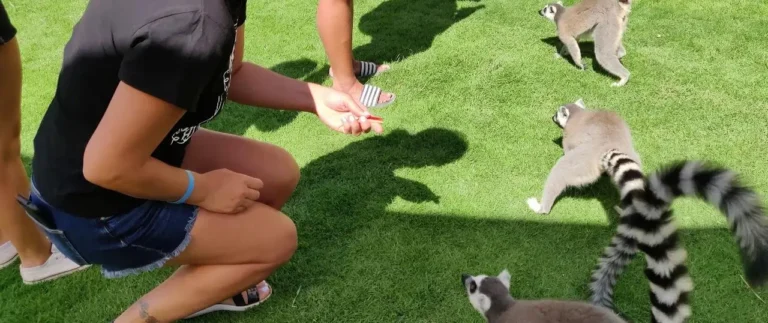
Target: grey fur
[(617, 256), (740, 204), (658, 238), (505, 309), (587, 136), (622, 249), (605, 21), (646, 221)]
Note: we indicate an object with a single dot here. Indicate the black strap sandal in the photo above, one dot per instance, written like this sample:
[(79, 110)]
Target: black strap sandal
[(241, 304)]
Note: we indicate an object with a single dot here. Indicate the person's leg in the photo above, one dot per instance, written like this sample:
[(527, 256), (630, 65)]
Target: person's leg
[(334, 24), (19, 234), (227, 253), (29, 242)]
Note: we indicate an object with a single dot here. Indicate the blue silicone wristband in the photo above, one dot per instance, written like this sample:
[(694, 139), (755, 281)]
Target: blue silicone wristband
[(190, 188)]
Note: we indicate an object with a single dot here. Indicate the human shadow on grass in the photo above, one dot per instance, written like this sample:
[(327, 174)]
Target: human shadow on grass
[(359, 182), (237, 118), (401, 28), (587, 51)]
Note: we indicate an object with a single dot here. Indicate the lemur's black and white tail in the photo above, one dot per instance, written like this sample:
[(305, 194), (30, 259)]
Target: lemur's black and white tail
[(629, 178), (646, 224), (740, 204)]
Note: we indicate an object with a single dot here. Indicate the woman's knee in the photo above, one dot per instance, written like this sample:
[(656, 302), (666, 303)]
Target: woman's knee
[(292, 173), (285, 244), (285, 173)]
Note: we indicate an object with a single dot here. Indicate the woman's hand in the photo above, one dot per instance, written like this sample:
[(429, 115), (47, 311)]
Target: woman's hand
[(340, 112), (224, 191), (336, 109)]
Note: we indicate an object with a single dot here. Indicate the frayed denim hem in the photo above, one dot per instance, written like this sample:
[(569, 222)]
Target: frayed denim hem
[(160, 262)]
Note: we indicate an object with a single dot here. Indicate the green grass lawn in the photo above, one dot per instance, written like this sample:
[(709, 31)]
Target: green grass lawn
[(388, 223)]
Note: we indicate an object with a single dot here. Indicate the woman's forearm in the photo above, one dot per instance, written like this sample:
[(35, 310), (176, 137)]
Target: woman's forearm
[(257, 86), (153, 180), (119, 154)]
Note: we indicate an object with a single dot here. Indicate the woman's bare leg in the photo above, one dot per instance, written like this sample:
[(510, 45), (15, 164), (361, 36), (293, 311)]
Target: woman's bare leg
[(190, 289), (334, 23), (209, 150), (32, 246), (227, 253)]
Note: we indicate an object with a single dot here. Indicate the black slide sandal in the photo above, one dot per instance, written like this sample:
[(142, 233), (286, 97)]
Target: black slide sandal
[(240, 303)]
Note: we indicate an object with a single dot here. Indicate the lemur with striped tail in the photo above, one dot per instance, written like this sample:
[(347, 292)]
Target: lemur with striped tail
[(599, 141)]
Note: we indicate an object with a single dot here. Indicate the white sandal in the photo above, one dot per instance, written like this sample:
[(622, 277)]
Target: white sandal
[(240, 303), (370, 97)]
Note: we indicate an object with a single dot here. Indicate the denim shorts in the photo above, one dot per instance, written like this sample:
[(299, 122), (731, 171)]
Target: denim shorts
[(141, 240)]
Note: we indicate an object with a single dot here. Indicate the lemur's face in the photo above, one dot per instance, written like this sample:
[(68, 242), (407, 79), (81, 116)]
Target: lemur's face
[(550, 10), (483, 289)]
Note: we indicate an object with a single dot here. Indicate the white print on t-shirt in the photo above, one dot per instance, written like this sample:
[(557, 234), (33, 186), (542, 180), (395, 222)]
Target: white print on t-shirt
[(183, 135)]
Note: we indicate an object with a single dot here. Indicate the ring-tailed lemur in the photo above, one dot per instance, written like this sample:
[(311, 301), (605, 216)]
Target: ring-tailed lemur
[(490, 296), (588, 136), (646, 222), (605, 21)]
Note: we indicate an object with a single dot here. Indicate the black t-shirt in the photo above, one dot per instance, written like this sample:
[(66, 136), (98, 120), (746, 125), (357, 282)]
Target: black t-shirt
[(179, 51), (7, 30)]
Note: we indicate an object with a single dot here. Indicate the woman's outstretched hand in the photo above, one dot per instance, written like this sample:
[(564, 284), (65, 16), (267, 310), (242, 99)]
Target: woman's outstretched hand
[(341, 113)]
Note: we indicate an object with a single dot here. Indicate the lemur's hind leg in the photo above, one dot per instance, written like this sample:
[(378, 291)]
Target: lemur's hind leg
[(607, 45), (562, 52), (572, 46), (576, 168)]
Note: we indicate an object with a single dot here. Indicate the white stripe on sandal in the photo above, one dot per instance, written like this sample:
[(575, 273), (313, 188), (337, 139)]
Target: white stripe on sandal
[(367, 68), (370, 97)]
